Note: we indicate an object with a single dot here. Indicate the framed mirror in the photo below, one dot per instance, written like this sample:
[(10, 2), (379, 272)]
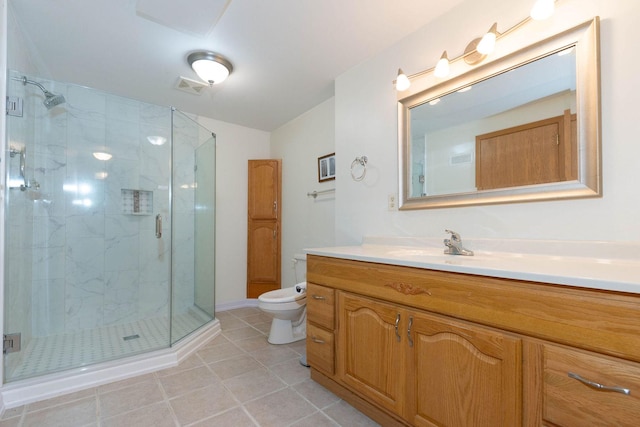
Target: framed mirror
[(525, 127)]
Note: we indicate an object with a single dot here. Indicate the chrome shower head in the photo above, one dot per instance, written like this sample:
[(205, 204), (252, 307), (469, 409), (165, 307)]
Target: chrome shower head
[(50, 99)]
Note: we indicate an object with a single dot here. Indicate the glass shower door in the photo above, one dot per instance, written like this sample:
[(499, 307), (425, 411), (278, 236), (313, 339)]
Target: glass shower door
[(193, 292), (88, 228)]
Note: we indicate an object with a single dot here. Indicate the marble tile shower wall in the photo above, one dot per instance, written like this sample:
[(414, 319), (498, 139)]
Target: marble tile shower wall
[(83, 263)]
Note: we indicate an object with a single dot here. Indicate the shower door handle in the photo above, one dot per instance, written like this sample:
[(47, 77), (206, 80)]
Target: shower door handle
[(158, 226), (23, 164)]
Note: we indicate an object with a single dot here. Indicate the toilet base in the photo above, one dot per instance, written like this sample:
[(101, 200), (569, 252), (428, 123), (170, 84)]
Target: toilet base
[(286, 331)]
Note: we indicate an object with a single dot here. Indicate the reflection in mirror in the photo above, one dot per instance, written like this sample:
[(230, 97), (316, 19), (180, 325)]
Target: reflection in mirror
[(443, 134), (512, 131)]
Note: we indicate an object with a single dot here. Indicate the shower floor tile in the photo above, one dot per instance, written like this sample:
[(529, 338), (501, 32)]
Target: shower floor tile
[(59, 352)]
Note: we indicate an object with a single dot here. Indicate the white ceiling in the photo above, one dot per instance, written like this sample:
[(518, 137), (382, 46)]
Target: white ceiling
[(286, 53)]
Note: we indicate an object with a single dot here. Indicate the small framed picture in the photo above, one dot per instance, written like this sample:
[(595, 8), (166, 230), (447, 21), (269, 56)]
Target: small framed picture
[(327, 167)]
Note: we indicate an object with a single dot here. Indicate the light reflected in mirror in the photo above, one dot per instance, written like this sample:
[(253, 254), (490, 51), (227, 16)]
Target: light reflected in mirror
[(511, 131)]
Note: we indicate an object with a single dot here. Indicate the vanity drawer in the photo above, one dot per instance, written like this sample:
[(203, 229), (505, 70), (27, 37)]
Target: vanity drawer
[(321, 305), (320, 349), (569, 402)]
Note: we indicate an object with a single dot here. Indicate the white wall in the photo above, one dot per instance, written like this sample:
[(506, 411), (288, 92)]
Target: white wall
[(366, 124), (306, 222), (235, 146)]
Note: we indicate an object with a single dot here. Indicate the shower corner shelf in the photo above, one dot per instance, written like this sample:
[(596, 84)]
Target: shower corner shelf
[(137, 202)]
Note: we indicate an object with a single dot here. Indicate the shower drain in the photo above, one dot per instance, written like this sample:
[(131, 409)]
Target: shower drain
[(131, 337)]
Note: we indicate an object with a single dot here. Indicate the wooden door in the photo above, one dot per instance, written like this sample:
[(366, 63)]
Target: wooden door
[(462, 374), (535, 153), (371, 350), (263, 228)]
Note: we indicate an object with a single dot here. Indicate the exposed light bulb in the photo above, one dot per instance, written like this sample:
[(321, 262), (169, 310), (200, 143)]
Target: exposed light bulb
[(402, 81), (442, 67), (434, 101), (542, 9), (488, 41)]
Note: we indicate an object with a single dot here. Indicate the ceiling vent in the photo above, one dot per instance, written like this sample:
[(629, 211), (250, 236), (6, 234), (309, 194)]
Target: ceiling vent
[(191, 86), (194, 17)]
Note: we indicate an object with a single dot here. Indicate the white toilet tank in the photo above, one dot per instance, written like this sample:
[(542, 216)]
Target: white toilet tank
[(300, 267)]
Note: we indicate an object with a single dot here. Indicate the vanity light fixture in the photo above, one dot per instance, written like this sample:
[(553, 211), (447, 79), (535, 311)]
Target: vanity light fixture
[(402, 81), (442, 67), (478, 49), (209, 66), (542, 9), (488, 41)]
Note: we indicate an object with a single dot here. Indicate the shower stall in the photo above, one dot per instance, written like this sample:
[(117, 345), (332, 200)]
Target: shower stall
[(109, 227)]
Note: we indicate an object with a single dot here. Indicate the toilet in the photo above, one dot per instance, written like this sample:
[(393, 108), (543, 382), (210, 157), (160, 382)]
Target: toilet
[(288, 307)]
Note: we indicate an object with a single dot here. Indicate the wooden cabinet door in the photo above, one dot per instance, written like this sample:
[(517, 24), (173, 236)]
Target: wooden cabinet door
[(462, 374), (370, 356), (263, 227), (264, 189), (263, 260)]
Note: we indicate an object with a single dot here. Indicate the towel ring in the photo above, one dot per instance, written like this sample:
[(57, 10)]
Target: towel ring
[(362, 161)]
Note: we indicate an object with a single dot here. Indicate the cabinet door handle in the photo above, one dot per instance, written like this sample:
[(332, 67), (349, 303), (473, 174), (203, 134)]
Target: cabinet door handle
[(318, 297), (409, 332), (397, 323), (599, 386), (317, 340)]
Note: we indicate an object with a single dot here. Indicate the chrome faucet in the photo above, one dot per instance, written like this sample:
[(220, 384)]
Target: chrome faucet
[(454, 245)]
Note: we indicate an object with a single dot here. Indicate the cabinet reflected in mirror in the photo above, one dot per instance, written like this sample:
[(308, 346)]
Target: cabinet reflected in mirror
[(524, 127)]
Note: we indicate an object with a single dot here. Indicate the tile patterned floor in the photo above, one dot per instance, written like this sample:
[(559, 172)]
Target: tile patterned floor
[(238, 379), (54, 353)]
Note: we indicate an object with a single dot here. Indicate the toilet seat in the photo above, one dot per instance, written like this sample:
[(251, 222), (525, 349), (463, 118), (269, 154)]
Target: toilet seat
[(282, 295)]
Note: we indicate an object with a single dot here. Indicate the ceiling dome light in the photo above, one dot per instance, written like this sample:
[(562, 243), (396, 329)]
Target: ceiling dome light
[(542, 9), (402, 81), (442, 67), (102, 156), (156, 139), (210, 67), (488, 42)]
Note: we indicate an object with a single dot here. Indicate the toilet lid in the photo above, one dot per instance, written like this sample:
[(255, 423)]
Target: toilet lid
[(281, 295)]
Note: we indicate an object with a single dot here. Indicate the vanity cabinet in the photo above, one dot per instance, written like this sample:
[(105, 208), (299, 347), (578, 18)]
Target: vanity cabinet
[(427, 367), (414, 346)]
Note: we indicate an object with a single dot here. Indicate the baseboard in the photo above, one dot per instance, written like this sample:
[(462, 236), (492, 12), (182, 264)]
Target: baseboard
[(250, 302)]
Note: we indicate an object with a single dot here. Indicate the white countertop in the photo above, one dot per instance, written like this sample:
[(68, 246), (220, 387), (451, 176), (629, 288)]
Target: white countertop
[(599, 265)]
